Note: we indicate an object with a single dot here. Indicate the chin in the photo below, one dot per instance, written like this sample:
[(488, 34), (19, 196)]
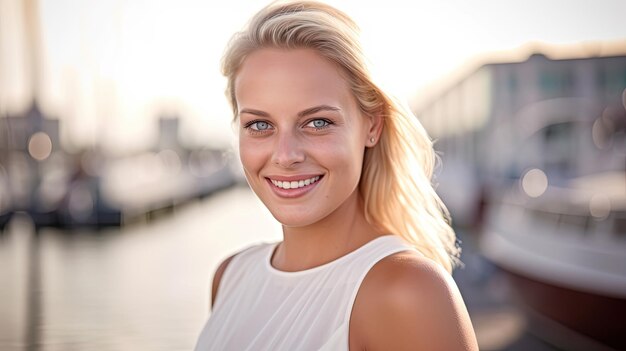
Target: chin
[(295, 220)]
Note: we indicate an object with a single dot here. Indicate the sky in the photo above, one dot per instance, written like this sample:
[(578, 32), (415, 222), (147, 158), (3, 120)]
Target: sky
[(110, 69)]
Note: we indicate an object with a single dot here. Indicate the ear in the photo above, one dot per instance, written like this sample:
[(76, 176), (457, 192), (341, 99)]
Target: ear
[(375, 128)]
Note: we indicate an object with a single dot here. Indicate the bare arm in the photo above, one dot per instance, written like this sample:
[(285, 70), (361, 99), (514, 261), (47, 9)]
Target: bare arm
[(407, 302)]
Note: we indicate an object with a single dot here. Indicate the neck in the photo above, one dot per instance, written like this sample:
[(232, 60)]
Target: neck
[(340, 233)]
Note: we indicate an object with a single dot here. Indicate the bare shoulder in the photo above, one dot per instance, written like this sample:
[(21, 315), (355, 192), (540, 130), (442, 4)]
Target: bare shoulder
[(408, 302), (217, 277)]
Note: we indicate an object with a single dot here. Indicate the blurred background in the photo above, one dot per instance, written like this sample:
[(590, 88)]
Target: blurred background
[(120, 189)]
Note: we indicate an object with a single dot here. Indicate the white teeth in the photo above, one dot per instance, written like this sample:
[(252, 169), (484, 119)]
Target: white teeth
[(295, 184)]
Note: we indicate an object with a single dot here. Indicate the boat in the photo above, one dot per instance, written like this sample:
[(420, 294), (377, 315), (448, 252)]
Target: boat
[(560, 236)]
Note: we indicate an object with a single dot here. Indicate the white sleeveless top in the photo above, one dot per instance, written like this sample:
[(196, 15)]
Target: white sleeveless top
[(261, 308)]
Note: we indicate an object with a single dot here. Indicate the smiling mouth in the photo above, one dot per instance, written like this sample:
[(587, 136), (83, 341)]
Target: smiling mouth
[(295, 184)]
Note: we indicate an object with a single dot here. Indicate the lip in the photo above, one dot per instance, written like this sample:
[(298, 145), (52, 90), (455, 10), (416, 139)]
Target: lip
[(293, 193), (292, 178)]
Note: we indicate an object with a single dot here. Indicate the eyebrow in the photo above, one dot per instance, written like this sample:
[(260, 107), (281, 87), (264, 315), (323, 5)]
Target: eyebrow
[(303, 113), (316, 109)]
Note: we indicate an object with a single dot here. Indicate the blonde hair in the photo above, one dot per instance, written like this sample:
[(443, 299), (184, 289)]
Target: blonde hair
[(397, 171)]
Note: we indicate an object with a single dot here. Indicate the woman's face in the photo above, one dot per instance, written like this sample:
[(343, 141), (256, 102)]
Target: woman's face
[(301, 135)]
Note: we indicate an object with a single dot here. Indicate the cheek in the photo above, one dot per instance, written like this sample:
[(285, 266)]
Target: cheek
[(344, 156), (251, 154)]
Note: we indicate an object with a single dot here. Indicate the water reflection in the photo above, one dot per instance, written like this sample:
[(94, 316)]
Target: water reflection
[(142, 287)]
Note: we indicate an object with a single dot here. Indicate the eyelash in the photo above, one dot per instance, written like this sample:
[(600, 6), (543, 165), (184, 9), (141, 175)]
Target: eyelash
[(249, 126), (328, 123)]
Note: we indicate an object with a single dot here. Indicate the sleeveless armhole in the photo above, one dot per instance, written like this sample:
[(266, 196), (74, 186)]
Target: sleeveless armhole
[(357, 287), (218, 277), (233, 259)]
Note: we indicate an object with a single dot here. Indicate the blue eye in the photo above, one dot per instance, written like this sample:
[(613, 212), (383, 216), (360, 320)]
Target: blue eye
[(318, 123), (259, 125)]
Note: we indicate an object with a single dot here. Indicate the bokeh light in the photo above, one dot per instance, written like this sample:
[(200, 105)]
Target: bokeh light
[(534, 182), (601, 132), (40, 146), (600, 206)]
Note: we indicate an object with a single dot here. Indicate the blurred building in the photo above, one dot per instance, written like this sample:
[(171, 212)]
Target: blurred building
[(534, 160), (90, 188), (506, 118), (146, 184), (26, 140), (21, 128), (39, 177)]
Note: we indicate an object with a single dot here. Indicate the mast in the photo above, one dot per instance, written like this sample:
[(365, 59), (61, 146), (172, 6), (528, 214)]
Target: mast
[(32, 27)]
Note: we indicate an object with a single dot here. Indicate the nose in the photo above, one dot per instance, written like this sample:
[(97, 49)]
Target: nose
[(288, 150)]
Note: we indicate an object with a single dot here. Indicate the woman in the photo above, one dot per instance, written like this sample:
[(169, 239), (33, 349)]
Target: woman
[(367, 252)]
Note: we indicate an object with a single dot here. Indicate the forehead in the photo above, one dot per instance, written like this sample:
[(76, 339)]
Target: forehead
[(290, 78)]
